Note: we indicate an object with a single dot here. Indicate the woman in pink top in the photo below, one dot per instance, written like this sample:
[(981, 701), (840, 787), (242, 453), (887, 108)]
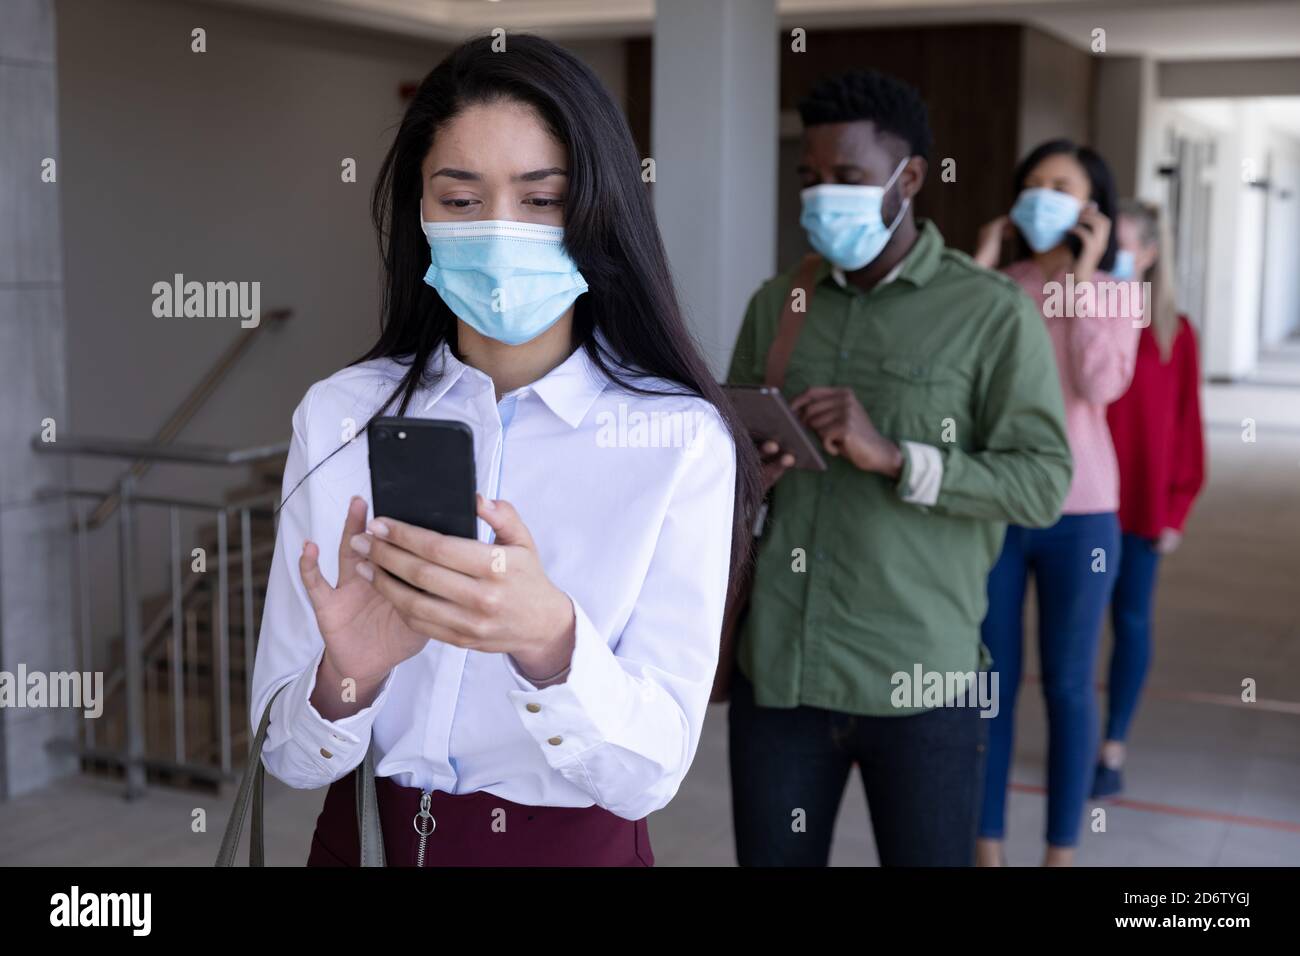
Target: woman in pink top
[(1061, 225)]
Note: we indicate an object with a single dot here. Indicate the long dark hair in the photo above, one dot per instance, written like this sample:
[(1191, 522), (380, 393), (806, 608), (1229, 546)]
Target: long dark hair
[(1103, 191), (609, 231)]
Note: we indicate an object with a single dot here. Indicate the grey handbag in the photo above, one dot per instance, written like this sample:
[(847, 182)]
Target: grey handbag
[(372, 837)]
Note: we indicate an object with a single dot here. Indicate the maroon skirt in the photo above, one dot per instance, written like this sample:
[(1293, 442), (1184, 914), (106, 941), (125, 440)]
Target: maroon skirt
[(476, 829)]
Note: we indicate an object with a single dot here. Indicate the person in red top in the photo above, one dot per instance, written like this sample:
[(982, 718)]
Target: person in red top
[(1158, 437)]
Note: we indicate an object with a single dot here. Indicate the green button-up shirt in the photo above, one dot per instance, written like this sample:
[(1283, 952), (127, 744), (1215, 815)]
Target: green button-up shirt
[(860, 577)]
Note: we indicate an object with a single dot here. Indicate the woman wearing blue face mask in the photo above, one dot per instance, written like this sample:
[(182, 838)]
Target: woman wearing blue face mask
[(1156, 427), (531, 696), (1061, 226)]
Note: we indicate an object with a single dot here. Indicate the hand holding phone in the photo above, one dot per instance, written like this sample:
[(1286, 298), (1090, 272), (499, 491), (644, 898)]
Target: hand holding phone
[(487, 597), (364, 636), (493, 598)]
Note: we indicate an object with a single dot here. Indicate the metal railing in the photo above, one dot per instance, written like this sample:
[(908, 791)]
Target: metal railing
[(142, 646), (190, 405)]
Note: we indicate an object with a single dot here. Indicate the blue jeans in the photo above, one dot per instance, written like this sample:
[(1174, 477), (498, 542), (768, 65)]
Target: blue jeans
[(1130, 618), (1072, 599), (921, 774)]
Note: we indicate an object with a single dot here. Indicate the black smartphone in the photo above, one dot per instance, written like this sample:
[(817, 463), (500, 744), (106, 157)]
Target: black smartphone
[(1074, 243), (422, 472)]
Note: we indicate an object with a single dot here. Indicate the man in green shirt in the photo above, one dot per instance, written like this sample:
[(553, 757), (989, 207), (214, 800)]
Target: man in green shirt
[(932, 384)]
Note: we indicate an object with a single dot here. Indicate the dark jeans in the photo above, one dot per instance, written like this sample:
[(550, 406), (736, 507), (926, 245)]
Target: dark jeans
[(1072, 600), (1130, 618), (921, 774)]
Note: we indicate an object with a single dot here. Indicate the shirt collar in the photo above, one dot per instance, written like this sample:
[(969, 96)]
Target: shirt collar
[(569, 390), (838, 274), (917, 267), (572, 387)]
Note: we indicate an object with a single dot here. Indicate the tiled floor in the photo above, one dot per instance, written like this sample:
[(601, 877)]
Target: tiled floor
[(1211, 781)]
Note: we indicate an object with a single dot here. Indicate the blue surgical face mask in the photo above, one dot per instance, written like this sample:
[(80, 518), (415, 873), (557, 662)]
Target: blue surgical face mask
[(1044, 216), (1125, 266), (844, 223), (509, 281)]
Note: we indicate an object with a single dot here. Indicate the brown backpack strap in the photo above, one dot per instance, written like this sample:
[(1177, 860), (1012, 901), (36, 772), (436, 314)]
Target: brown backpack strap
[(778, 357), (787, 330)]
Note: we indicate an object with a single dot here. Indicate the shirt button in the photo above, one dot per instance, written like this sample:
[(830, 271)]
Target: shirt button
[(534, 708), (326, 754), (555, 741)]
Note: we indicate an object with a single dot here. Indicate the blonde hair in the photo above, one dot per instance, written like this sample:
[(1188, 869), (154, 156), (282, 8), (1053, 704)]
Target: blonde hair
[(1153, 229)]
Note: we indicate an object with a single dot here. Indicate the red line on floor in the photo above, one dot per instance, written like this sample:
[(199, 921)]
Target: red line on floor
[(1200, 697), (1168, 810)]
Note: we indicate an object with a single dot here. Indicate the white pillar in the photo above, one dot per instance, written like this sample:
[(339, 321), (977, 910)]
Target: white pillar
[(35, 580), (1235, 256), (714, 143)]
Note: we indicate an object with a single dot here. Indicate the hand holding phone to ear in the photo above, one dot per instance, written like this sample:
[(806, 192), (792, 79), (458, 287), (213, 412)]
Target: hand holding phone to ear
[(1093, 232)]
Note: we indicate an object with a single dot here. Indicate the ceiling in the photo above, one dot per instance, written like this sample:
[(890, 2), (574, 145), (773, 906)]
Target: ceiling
[(1164, 29)]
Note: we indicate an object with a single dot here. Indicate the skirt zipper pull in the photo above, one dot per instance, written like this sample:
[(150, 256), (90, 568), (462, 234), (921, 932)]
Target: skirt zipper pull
[(424, 825)]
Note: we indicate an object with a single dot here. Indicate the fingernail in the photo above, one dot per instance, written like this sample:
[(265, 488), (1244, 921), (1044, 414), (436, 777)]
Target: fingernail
[(488, 503), (304, 546), (378, 529), (360, 544), (366, 570)]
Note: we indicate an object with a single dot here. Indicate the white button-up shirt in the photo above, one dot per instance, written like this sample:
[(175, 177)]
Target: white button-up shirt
[(629, 499)]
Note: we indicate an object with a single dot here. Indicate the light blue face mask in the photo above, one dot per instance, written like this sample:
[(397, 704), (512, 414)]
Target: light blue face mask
[(844, 223), (1125, 266), (509, 281), (1044, 216)]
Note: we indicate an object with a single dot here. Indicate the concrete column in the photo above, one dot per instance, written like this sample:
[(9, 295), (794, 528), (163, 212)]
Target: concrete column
[(714, 143), (1234, 260), (35, 585), (1123, 123)]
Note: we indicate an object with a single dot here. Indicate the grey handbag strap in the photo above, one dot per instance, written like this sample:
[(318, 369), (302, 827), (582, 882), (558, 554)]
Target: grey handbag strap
[(368, 828), (250, 788)]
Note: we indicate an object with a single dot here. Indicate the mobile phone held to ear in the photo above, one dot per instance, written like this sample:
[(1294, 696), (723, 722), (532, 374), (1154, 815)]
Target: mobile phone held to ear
[(422, 472)]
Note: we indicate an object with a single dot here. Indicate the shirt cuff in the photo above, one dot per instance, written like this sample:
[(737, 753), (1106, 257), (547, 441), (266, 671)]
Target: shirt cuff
[(326, 744), (922, 474), (584, 711)]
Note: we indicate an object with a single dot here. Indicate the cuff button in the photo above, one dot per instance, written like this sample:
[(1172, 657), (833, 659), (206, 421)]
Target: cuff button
[(534, 708), (555, 741), (326, 754)]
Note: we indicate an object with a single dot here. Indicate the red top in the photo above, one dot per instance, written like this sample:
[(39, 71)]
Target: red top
[(1156, 428)]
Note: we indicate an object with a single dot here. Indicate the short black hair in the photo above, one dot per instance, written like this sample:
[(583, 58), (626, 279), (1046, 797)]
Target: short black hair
[(891, 105), (1102, 192)]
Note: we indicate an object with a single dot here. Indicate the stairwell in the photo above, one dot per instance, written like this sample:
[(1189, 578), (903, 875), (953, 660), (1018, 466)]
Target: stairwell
[(196, 675)]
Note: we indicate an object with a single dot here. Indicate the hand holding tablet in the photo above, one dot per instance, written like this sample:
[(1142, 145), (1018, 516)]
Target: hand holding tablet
[(769, 418)]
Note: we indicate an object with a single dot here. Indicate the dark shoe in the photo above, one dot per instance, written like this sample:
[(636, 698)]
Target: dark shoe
[(1107, 782)]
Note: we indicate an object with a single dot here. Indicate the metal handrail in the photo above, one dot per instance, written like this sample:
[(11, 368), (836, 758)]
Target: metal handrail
[(152, 451), (139, 639), (187, 409)]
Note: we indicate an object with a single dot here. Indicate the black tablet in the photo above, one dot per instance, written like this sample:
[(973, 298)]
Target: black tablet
[(769, 417)]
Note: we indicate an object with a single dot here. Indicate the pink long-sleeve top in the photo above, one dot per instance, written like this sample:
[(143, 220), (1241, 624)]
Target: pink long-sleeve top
[(1095, 335)]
